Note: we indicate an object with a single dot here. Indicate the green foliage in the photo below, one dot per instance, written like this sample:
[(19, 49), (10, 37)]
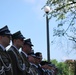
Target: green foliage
[(64, 68), (54, 62), (65, 13)]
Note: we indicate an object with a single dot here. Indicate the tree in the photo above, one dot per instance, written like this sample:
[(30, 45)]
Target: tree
[(71, 64), (54, 61), (63, 68), (65, 13)]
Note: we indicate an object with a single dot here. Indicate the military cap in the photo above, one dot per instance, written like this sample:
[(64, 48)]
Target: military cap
[(38, 55), (28, 42), (5, 31), (52, 65), (43, 62), (32, 53), (18, 35)]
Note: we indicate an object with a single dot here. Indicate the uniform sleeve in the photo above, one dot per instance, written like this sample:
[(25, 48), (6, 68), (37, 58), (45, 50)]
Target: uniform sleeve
[(13, 60)]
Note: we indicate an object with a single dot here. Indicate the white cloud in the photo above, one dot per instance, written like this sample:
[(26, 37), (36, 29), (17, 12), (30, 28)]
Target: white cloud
[(37, 8), (35, 1), (30, 1)]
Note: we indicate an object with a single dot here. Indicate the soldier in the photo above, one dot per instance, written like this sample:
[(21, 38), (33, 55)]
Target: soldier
[(33, 67), (47, 66), (26, 49), (38, 57), (5, 61), (17, 60), (38, 60)]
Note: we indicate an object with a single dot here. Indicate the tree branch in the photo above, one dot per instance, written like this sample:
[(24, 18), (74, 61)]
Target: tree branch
[(65, 6), (70, 24)]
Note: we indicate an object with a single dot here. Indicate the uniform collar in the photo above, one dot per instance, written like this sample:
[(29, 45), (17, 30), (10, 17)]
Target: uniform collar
[(34, 65), (2, 47), (15, 47), (25, 54)]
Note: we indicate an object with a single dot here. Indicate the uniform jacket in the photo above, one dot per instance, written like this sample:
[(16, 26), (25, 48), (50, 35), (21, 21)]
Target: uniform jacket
[(17, 61), (27, 64), (5, 61)]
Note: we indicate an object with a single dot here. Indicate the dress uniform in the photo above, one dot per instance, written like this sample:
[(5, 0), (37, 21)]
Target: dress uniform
[(38, 59), (47, 67), (33, 67), (27, 46), (27, 64), (17, 60), (5, 61)]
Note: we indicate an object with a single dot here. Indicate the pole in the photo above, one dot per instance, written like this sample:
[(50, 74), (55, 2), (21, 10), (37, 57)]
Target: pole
[(48, 43)]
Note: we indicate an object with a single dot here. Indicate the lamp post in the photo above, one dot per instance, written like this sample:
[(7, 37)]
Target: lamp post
[(47, 9)]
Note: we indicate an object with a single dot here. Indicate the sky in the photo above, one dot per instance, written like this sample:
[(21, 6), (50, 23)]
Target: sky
[(27, 16)]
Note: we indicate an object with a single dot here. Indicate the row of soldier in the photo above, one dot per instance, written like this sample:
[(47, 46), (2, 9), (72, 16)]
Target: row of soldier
[(24, 62)]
